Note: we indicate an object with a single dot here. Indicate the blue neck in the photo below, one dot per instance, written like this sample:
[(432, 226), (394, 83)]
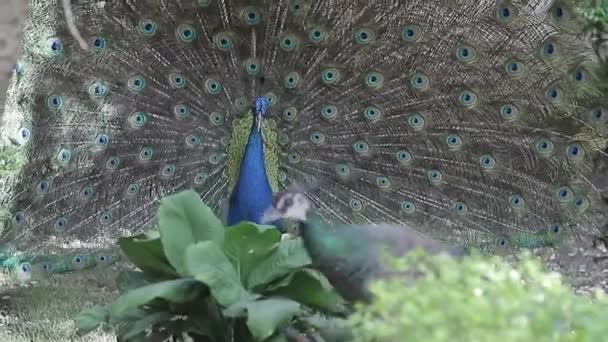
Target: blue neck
[(252, 193)]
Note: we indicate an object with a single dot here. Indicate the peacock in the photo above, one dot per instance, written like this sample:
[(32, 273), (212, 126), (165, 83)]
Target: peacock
[(350, 256), (475, 121)]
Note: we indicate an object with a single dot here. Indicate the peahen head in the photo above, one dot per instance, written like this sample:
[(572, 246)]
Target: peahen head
[(289, 204)]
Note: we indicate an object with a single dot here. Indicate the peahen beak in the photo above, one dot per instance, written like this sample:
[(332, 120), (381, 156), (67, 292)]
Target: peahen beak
[(258, 121), (270, 215)]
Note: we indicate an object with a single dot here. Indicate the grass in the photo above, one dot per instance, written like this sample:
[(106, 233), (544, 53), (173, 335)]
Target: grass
[(44, 312)]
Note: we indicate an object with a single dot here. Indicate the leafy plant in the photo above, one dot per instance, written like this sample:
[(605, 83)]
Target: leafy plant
[(479, 299), (595, 14), (197, 277)]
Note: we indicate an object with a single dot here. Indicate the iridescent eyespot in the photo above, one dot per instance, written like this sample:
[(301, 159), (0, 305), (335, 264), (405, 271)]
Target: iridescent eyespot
[(292, 80), (137, 119), (487, 162), (579, 76), (361, 147), (598, 115), (55, 46), (294, 157), (544, 146), (60, 224), (252, 66), (564, 194), (97, 43), (168, 170), (18, 218), (112, 163), (136, 84), (55, 101), (133, 189), (411, 33), (181, 111), (317, 137), (403, 156), (86, 193), (213, 86), (250, 15), (383, 182), (203, 3), (509, 112), (549, 49), (290, 113), (317, 35), (372, 113), (64, 156), (506, 13), (374, 80), (23, 135), (216, 118), (516, 202), (177, 81), (200, 178), (343, 170), (299, 7), (330, 76), (193, 140), (223, 41), (515, 68), (214, 158), (553, 94), (454, 141), (434, 176), (272, 99), (580, 203), (416, 121), (355, 204), (575, 152), (105, 218), (186, 33), (43, 187), (78, 261), (289, 42), (97, 90), (408, 207), (329, 111), (460, 207), (101, 141), (364, 36), (555, 228), (145, 154), (467, 98), (465, 53), (148, 27), (420, 81)]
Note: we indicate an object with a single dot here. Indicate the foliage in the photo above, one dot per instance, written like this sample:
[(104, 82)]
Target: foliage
[(241, 283), (595, 14), (479, 299)]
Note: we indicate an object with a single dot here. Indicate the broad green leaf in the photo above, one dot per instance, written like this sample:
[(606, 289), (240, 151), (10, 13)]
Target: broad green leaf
[(206, 262), (290, 255), (130, 280), (183, 220), (264, 317), (133, 329), (147, 255), (310, 288), (175, 291), (330, 328), (90, 319), (247, 245)]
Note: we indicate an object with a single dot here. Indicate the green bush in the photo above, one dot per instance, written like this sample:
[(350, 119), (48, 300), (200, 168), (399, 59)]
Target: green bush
[(241, 283), (480, 299)]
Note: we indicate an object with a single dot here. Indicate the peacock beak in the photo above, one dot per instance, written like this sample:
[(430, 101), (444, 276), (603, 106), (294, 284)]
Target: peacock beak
[(270, 215), (258, 121)]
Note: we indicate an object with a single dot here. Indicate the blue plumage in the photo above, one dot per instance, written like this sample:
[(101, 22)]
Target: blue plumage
[(252, 193)]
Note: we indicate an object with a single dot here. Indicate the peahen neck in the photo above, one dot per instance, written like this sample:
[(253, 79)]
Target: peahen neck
[(252, 193), (320, 238)]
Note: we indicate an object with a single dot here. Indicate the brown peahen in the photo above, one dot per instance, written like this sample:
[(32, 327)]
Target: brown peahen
[(477, 121)]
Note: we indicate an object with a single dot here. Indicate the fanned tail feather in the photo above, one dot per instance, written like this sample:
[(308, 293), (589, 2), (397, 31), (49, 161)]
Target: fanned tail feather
[(477, 121)]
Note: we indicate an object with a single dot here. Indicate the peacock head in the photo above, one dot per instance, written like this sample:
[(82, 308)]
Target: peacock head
[(289, 204), (260, 110)]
